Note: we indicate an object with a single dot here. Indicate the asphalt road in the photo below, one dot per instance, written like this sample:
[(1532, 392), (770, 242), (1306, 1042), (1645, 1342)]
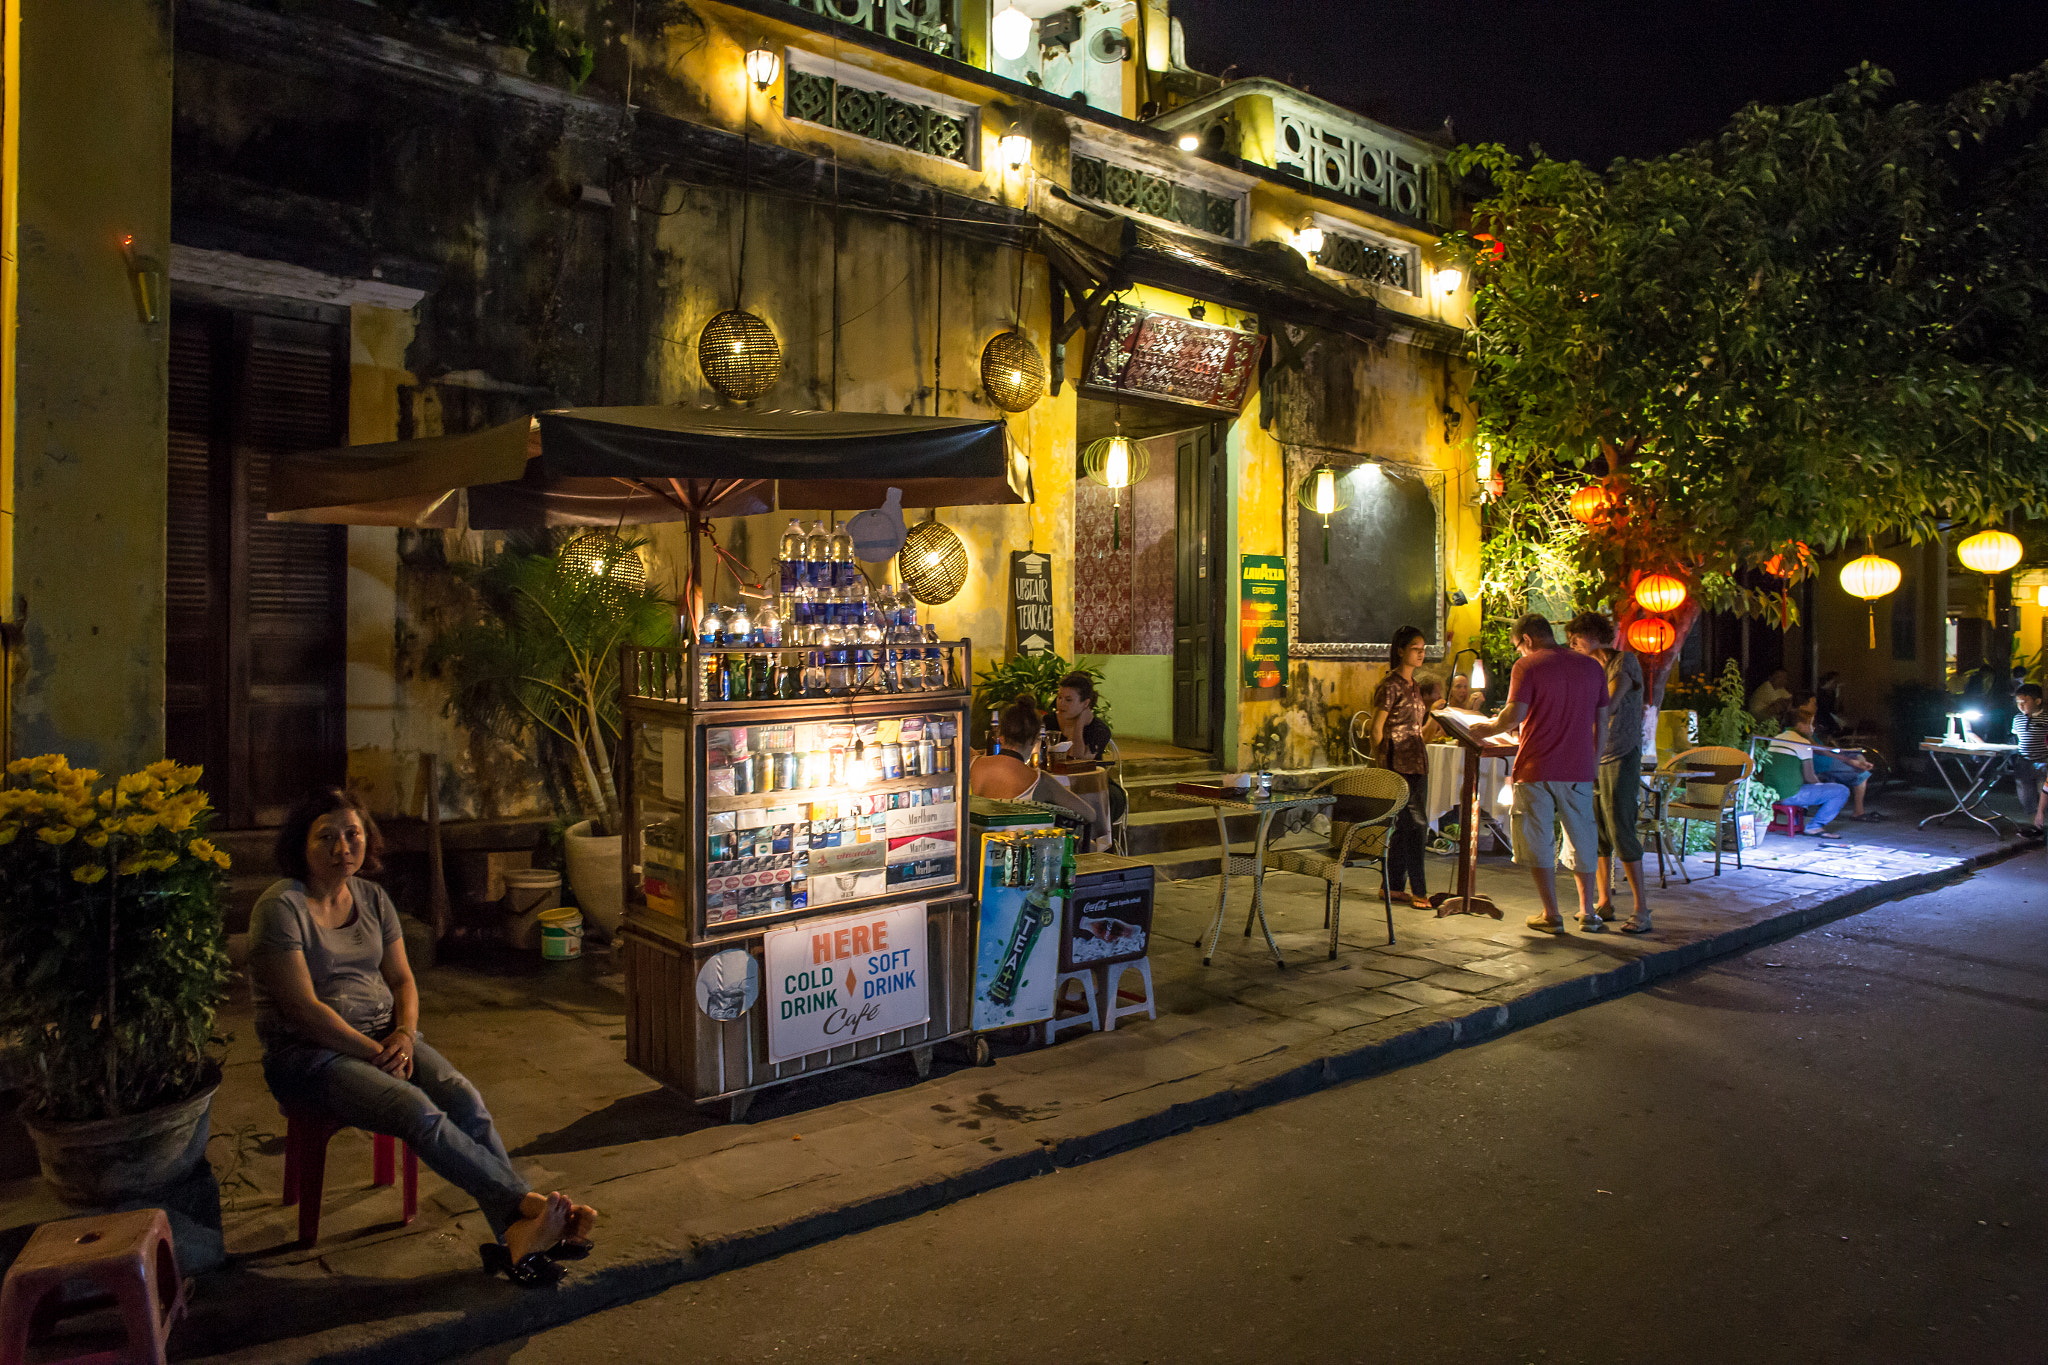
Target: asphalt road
[(1830, 1149)]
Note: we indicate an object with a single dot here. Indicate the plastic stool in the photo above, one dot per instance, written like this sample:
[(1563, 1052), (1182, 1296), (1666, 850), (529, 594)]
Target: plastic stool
[(1788, 819), (1112, 979), (126, 1256), (306, 1134), (1087, 1014)]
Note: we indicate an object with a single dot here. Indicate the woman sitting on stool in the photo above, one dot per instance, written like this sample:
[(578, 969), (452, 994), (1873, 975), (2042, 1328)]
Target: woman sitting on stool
[(338, 1013), (1006, 777)]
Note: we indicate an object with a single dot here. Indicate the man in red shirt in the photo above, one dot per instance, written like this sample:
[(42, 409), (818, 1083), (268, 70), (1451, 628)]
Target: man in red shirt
[(1559, 698)]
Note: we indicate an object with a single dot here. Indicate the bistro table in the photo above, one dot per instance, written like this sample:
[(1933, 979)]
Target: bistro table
[(1265, 809), (1977, 766)]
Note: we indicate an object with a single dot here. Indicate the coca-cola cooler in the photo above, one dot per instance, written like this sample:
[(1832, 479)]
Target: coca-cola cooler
[(1109, 914)]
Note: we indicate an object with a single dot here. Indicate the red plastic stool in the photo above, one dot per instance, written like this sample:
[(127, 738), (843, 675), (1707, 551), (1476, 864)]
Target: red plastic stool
[(1787, 819), (306, 1134), (126, 1256)]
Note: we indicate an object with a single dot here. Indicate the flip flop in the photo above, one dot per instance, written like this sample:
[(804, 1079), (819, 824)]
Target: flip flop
[(1822, 834), (1629, 926), (533, 1270)]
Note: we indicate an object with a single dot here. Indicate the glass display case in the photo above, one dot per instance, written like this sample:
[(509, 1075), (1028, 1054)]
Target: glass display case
[(747, 816)]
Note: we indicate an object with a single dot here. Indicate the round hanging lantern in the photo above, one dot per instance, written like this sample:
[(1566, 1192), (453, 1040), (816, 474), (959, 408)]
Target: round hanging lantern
[(1651, 635), (1116, 462), (1791, 562), (739, 355), (932, 562), (1660, 592), (1592, 504), (1990, 551), (1870, 577), (1323, 492), (605, 562), (1012, 372)]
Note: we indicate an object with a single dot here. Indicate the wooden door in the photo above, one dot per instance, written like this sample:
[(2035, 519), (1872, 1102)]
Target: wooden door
[(1198, 539), (257, 610)]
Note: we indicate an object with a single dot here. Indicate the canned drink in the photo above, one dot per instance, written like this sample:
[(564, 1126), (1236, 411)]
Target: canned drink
[(892, 760), (743, 778), (785, 772)]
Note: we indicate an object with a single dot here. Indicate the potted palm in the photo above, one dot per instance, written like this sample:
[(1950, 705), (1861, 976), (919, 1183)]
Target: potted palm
[(539, 665), (112, 966)]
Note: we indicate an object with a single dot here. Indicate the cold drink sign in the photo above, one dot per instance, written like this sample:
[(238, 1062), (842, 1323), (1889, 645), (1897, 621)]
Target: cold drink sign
[(844, 980)]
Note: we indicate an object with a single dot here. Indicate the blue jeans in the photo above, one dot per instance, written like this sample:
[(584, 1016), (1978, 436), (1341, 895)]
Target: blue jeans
[(1829, 797), (1832, 769), (436, 1112)]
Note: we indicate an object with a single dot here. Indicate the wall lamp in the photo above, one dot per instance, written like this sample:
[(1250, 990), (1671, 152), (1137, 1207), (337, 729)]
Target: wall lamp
[(764, 64), (147, 277), (1308, 241), (1190, 142), (1015, 149)]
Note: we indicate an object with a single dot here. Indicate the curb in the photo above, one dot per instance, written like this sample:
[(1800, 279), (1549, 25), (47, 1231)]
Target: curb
[(502, 1312)]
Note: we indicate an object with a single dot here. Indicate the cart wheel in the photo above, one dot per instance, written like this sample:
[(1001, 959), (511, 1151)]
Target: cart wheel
[(921, 1058), (984, 1055)]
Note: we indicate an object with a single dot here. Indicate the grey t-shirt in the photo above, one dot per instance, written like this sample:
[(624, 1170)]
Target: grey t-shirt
[(1625, 707), (344, 963)]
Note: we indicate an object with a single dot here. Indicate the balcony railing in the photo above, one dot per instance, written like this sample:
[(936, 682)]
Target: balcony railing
[(933, 25), (1355, 159)]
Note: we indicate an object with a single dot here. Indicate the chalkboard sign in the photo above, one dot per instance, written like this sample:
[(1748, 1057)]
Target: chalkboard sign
[(1385, 566)]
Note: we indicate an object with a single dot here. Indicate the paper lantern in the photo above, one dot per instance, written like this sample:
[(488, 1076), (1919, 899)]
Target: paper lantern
[(1116, 462), (932, 563), (1791, 562), (1012, 372), (1870, 577), (1651, 635), (605, 563), (1323, 492), (739, 355), (1660, 592), (1990, 551), (1592, 504)]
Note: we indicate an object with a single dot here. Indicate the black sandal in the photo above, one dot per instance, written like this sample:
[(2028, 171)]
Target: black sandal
[(533, 1269), (568, 1249)]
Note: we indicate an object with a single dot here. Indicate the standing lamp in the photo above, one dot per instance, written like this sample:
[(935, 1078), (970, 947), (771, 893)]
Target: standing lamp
[(1322, 492), (1116, 462)]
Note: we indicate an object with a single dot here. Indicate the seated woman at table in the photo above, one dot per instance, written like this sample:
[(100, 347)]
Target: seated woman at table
[(1005, 777), (1086, 734), (338, 1013)]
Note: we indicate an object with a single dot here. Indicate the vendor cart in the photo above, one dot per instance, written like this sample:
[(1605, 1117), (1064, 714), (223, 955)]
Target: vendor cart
[(797, 890)]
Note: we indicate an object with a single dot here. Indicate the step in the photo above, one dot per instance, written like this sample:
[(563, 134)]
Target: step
[(1177, 766)]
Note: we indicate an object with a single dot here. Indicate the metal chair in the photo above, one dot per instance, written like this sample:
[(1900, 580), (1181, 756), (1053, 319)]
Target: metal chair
[(1711, 801), (1112, 761), (1369, 800)]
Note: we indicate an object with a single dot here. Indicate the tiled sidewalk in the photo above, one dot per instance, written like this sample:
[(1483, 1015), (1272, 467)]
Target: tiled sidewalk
[(685, 1197)]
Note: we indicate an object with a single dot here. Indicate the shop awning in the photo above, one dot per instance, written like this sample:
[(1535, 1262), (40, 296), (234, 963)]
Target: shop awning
[(602, 466)]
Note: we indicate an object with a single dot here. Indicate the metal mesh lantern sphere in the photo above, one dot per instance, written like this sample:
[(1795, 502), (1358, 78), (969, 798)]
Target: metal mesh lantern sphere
[(1012, 371), (1651, 635), (605, 562), (739, 355), (933, 563)]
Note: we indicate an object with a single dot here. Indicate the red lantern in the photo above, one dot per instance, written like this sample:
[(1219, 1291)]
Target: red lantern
[(1660, 592), (1792, 562), (1651, 635), (1592, 504)]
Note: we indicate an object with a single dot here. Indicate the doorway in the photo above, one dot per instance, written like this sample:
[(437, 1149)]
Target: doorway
[(1198, 673), (257, 610)]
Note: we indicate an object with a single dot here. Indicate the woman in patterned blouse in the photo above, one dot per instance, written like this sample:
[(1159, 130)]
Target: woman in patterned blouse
[(1399, 719)]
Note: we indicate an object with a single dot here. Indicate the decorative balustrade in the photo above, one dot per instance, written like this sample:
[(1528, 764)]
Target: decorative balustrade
[(1373, 260), (929, 24), (1355, 159), (818, 98), (1137, 191)]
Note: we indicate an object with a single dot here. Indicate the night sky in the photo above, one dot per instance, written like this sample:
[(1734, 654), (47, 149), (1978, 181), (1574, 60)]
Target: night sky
[(1596, 81)]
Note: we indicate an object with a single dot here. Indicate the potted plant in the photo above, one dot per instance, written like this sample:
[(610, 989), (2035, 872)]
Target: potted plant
[(112, 966), (539, 664)]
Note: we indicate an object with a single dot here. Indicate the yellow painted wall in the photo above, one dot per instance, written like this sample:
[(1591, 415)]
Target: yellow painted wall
[(90, 481)]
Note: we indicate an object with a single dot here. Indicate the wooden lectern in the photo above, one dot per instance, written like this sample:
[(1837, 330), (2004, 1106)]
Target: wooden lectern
[(1458, 724)]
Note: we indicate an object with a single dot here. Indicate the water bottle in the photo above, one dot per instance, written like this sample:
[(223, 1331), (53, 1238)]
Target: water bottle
[(739, 630), (935, 669), (768, 626), (709, 625), (790, 556), (818, 557), (843, 571)]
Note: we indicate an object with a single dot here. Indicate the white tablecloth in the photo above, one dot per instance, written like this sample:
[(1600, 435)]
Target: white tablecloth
[(1447, 778)]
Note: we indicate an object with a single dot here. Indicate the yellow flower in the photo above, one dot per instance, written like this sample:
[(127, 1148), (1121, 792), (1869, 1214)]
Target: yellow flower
[(106, 801), (175, 818), (220, 859), (201, 848), (130, 866), (7, 833), (133, 783), (88, 874), (140, 824), (96, 839), (187, 777), (59, 835), (162, 769), (163, 862), (78, 817)]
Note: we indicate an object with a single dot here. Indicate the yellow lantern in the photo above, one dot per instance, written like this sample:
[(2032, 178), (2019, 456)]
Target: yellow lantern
[(1322, 492), (1592, 504), (1660, 592), (1870, 577), (1651, 635), (1116, 462), (1990, 551)]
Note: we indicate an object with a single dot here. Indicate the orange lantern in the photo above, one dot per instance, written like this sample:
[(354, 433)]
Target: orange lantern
[(1651, 635), (1791, 562), (1592, 504), (1660, 592)]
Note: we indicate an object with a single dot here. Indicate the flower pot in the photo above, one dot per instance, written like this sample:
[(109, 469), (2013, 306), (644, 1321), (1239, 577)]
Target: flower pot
[(103, 1162), (597, 876)]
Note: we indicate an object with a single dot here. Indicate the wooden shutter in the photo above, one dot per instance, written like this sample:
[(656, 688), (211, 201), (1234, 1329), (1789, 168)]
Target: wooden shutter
[(194, 653)]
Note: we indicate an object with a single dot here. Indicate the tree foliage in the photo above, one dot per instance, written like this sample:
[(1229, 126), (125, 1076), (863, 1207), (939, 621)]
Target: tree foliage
[(1826, 324)]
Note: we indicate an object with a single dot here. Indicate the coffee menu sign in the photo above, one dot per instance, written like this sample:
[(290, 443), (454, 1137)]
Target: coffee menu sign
[(1031, 601)]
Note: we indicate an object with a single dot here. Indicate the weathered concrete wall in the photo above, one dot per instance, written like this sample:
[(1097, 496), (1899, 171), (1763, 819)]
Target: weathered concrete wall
[(91, 375)]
